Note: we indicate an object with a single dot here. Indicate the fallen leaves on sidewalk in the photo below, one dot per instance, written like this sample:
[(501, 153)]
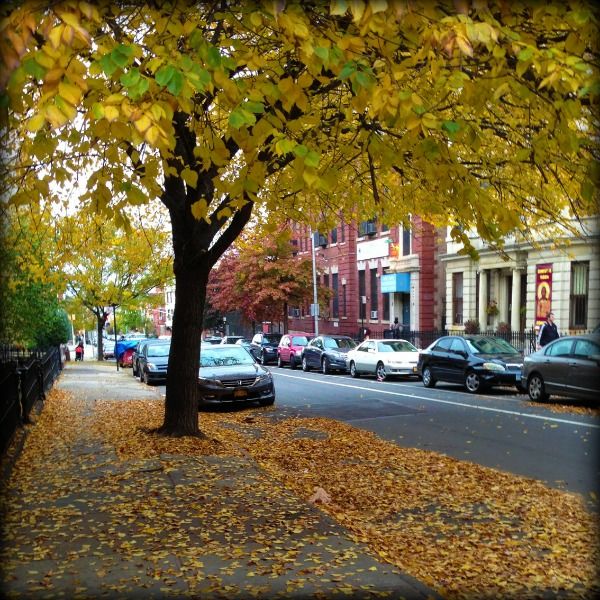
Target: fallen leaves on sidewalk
[(465, 530)]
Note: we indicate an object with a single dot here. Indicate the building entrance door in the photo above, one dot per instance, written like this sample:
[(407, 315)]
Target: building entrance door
[(405, 312)]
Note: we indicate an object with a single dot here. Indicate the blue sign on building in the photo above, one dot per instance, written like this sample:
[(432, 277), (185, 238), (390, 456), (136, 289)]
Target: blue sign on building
[(395, 282)]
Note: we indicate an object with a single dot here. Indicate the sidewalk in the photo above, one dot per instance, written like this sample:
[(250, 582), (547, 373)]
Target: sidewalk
[(79, 522)]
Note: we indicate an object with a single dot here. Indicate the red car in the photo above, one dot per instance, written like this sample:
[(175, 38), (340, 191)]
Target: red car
[(290, 348)]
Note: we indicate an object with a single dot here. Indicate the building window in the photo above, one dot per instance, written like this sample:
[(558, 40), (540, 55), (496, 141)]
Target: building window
[(367, 227), (335, 305), (333, 237), (457, 298), (343, 231), (406, 249), (362, 292), (580, 273), (374, 295), (326, 285), (344, 302), (384, 227)]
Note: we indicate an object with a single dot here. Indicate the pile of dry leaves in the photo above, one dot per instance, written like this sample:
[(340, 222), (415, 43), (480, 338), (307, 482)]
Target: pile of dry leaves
[(464, 530)]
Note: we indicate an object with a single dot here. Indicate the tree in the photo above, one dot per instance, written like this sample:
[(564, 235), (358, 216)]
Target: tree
[(30, 311), (261, 277), (475, 115), (103, 266)]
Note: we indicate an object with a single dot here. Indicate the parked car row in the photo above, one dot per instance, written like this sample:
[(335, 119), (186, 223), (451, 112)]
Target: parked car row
[(229, 371), (568, 366)]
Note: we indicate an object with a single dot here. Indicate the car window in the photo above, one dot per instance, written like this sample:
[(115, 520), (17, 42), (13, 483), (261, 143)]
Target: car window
[(457, 345), (396, 346), (225, 357), (330, 343), (490, 345), (346, 343), (299, 340), (272, 338), (586, 349), (560, 348), (158, 350), (443, 345), (363, 347)]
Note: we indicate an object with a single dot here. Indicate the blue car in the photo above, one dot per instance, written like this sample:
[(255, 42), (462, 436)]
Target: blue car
[(327, 353)]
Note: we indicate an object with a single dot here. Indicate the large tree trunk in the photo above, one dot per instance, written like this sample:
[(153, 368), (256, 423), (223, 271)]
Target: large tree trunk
[(100, 337), (181, 402)]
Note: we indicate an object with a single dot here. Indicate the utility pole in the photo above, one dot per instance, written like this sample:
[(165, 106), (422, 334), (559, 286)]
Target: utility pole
[(315, 307)]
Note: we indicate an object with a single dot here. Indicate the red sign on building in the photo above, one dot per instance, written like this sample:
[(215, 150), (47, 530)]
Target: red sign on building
[(543, 291)]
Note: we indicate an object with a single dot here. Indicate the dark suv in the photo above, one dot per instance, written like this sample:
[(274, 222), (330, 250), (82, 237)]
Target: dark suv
[(264, 347)]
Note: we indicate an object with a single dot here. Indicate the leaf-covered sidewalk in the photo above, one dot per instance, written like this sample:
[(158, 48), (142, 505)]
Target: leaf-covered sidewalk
[(464, 530)]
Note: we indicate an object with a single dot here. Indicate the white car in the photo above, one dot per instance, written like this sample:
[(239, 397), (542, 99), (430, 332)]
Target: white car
[(383, 358)]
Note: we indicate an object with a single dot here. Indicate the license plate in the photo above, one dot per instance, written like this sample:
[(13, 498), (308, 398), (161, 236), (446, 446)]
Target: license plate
[(240, 393), (414, 369)]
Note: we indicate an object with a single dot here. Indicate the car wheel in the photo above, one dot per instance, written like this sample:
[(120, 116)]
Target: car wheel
[(292, 361), (305, 366), (353, 371), (263, 360), (536, 388), (428, 380), (380, 372), (279, 363), (134, 370), (473, 382), (146, 378), (141, 375), (326, 366)]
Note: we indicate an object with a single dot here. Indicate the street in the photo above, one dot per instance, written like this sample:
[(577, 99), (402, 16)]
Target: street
[(496, 429)]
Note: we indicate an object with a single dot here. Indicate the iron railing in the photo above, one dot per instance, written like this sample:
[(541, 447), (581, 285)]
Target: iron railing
[(25, 377)]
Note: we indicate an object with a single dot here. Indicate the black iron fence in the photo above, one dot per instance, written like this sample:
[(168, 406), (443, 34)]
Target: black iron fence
[(524, 341), (25, 377)]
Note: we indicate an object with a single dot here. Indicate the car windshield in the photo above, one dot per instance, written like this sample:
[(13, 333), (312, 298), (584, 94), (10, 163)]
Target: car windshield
[(225, 357), (491, 346), (159, 350), (299, 340), (339, 343), (271, 339), (396, 346)]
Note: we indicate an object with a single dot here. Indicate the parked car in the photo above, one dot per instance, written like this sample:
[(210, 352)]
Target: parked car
[(568, 366), (328, 353), (476, 361), (264, 347), (153, 361), (135, 367), (231, 339), (229, 373), (245, 342), (383, 358), (290, 349), (108, 349)]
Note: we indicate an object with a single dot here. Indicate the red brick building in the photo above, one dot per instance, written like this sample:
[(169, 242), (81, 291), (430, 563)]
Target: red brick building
[(375, 273)]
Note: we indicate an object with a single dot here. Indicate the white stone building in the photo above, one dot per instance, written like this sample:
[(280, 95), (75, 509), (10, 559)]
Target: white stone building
[(561, 272)]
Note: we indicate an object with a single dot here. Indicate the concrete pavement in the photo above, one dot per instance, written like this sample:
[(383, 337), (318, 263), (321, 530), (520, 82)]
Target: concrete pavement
[(79, 522)]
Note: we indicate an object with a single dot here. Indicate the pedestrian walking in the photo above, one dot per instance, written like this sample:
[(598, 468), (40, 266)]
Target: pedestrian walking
[(548, 331), (79, 350)]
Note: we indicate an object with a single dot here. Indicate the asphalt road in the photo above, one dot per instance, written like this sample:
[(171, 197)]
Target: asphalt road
[(497, 429)]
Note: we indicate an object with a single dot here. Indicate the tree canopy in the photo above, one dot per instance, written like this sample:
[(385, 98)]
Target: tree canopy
[(478, 115), (261, 276)]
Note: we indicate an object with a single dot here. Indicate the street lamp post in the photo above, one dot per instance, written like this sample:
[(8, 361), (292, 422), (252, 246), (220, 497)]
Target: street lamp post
[(315, 308), (114, 307)]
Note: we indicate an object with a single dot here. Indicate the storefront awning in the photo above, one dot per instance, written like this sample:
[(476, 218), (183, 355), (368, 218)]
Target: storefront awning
[(395, 282)]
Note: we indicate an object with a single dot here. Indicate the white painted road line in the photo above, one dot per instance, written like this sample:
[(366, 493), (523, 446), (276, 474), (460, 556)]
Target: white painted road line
[(439, 401)]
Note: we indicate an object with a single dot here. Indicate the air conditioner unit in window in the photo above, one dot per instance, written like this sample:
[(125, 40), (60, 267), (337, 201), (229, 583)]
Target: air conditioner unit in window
[(373, 314)]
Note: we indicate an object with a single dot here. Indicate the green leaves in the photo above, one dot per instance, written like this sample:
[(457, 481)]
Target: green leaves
[(118, 58)]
